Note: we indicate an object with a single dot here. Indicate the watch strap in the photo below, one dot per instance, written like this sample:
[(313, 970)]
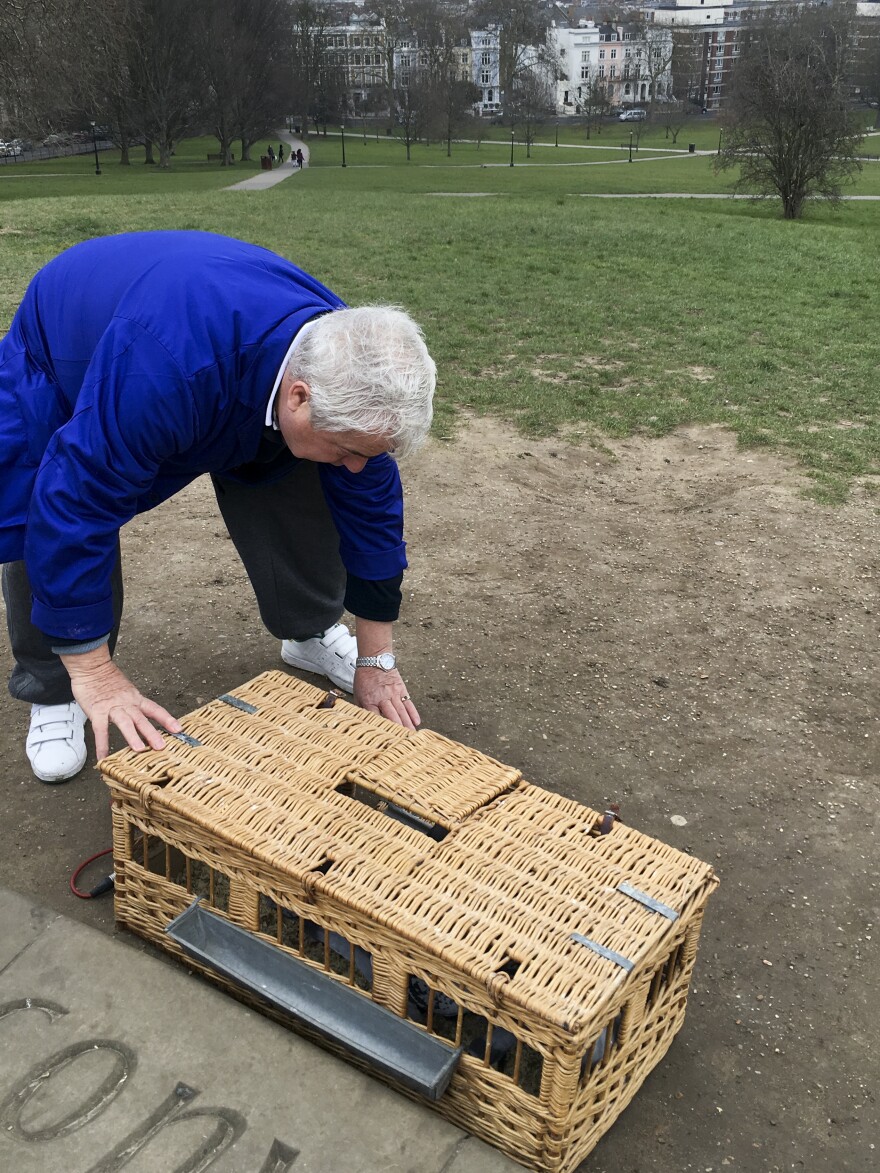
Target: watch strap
[(376, 661)]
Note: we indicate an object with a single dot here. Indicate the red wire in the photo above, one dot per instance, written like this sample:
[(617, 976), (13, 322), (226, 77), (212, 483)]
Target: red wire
[(76, 891)]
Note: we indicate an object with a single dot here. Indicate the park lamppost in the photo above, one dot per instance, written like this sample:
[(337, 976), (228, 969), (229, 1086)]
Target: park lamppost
[(556, 144), (720, 136), (511, 148), (342, 129), (95, 145), (630, 146)]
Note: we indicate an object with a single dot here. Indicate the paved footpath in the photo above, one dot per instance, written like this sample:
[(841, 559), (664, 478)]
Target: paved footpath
[(279, 173), (103, 1046)]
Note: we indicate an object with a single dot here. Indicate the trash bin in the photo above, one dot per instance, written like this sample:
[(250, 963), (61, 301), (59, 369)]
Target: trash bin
[(692, 147), (296, 130), (265, 163)]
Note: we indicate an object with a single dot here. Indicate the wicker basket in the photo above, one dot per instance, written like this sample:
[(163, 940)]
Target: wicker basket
[(552, 960)]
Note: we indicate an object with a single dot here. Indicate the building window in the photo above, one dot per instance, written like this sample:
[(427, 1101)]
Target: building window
[(601, 54), (485, 59), (601, 71), (613, 54), (585, 55), (613, 71), (485, 78)]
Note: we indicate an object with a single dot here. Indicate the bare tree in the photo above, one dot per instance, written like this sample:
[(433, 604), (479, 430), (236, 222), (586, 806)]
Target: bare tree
[(165, 71), (674, 115), (108, 91), (687, 67), (649, 67), (308, 56), (439, 30), (788, 128), (595, 104), (531, 103), (221, 69), (46, 61), (522, 28), (244, 58), (453, 99), (413, 104)]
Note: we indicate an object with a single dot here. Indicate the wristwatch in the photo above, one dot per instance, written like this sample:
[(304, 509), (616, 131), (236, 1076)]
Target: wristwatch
[(385, 660)]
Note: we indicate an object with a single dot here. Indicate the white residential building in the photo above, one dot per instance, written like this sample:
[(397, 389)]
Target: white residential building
[(486, 69), (631, 68)]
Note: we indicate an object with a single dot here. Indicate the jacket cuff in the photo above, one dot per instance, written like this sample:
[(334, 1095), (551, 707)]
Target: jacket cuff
[(375, 566), (371, 599), (77, 624), (73, 648)]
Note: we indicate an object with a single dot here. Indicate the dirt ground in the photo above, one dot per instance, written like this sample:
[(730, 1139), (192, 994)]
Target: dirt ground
[(665, 624)]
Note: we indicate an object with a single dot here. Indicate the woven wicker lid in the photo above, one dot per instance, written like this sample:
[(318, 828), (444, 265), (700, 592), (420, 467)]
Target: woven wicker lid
[(448, 847)]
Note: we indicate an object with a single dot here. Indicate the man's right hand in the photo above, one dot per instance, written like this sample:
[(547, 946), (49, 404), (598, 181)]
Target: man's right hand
[(108, 697)]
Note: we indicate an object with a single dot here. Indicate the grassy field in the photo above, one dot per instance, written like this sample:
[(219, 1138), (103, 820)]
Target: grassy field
[(562, 312)]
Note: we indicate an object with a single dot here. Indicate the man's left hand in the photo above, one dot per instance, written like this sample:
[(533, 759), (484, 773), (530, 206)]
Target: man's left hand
[(385, 693)]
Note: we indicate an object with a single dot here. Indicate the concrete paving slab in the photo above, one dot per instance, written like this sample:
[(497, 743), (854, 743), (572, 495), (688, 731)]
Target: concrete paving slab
[(103, 1048), (21, 922)]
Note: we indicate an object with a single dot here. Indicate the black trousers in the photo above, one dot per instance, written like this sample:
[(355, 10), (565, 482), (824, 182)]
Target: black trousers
[(287, 541)]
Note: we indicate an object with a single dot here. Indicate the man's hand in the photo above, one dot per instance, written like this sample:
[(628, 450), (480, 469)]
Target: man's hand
[(379, 690), (108, 698), (385, 693)]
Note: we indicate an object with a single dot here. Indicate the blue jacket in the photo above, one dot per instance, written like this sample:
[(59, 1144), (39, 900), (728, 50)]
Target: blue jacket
[(134, 364)]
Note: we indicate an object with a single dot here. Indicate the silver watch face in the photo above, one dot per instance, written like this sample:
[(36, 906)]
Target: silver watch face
[(386, 660)]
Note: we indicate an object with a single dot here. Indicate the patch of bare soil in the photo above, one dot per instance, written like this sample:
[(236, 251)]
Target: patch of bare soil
[(666, 624)]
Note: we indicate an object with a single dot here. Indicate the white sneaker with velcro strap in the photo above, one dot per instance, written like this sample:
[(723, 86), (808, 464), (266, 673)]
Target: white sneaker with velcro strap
[(330, 654), (56, 742)]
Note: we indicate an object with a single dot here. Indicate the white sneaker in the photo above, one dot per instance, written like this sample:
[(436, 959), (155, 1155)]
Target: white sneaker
[(332, 654), (56, 742)]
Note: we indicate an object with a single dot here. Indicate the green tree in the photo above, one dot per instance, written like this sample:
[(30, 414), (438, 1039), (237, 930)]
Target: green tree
[(788, 129)]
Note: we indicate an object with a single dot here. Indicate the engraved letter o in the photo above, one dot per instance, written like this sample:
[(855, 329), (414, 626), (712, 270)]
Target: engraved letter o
[(124, 1063)]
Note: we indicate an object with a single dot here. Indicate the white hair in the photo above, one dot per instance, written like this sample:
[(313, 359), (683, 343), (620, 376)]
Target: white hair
[(369, 371)]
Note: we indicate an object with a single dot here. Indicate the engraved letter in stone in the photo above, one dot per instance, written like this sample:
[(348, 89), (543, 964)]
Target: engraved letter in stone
[(124, 1063), (229, 1127)]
